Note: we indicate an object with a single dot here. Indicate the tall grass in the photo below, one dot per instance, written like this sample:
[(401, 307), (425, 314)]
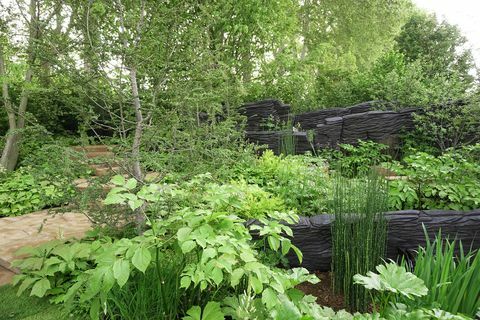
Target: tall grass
[(153, 295), (453, 280), (358, 233)]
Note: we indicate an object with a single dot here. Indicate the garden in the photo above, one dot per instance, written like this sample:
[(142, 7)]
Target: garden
[(202, 196)]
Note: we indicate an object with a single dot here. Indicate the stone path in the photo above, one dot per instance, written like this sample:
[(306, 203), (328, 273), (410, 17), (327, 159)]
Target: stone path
[(33, 229)]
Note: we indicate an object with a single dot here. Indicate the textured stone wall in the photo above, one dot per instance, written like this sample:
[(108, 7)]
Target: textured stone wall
[(312, 235), (329, 127)]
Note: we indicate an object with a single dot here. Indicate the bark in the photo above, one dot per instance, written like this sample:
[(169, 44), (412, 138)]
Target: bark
[(130, 64), (10, 143), (137, 170), (17, 122)]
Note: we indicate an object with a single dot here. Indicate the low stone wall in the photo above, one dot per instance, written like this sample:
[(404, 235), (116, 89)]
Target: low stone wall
[(312, 235)]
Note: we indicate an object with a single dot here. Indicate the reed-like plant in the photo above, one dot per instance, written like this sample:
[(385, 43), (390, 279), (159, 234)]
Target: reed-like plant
[(358, 233), (156, 294), (451, 275)]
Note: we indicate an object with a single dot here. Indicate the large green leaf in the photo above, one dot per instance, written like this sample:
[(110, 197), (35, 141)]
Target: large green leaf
[(393, 278)]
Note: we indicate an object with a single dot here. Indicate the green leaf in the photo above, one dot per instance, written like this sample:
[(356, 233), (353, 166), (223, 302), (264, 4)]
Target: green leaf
[(188, 246), (256, 284), (236, 275), (185, 282), (183, 233), (393, 278), (118, 180), (274, 243), (212, 311), (25, 284), (141, 259), (121, 271), (114, 198), (40, 287), (269, 298), (135, 204), (217, 276), (194, 313), (131, 184)]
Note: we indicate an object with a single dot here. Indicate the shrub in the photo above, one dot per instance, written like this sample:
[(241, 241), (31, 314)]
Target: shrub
[(216, 245)]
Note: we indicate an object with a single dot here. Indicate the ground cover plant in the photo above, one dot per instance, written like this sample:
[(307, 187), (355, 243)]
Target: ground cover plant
[(447, 181)]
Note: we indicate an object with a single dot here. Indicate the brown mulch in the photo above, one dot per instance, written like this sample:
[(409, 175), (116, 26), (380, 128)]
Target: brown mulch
[(324, 291)]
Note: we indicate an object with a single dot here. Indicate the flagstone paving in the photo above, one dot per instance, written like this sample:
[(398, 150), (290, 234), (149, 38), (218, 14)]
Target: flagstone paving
[(34, 229)]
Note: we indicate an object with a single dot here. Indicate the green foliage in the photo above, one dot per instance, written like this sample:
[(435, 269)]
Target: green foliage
[(450, 124), (452, 278), (153, 295), (26, 190), (216, 245), (301, 181), (391, 282), (449, 181), (393, 285), (358, 233), (438, 45), (354, 160)]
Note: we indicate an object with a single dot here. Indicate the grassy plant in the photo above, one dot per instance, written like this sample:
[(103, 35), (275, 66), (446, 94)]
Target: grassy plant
[(153, 295), (358, 233), (453, 279)]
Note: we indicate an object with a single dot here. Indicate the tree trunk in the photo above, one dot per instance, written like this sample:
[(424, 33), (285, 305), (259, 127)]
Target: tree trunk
[(137, 170), (17, 122)]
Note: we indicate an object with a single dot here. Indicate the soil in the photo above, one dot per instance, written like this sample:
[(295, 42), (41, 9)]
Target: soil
[(324, 291)]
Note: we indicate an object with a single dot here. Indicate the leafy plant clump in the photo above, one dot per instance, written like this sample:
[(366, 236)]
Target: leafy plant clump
[(355, 160), (302, 182), (26, 190), (449, 181), (221, 260), (396, 292)]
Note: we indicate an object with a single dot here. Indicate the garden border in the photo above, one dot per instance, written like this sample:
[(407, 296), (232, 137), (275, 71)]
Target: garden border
[(312, 235)]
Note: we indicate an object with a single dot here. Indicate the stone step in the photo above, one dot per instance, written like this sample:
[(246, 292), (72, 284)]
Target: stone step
[(103, 169), (99, 154), (6, 276), (93, 148), (83, 184)]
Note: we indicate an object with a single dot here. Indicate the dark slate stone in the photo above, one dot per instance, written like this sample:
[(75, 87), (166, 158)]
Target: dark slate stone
[(405, 234)]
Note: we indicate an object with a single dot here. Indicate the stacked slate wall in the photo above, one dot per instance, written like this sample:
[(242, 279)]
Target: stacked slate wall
[(312, 235), (258, 113), (330, 127)]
